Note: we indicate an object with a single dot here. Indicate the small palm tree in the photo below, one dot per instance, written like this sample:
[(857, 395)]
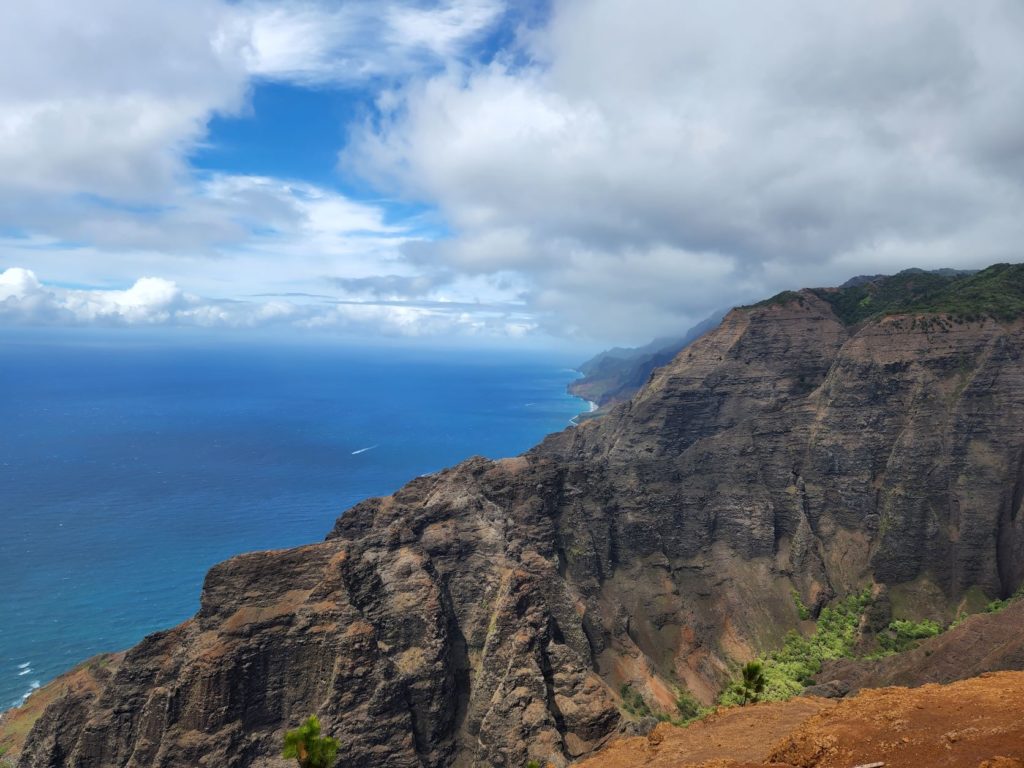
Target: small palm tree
[(752, 682), (308, 747)]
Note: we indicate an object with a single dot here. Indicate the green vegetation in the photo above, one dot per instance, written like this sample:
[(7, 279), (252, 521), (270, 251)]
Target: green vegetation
[(952, 297), (308, 747), (994, 292), (784, 673), (888, 295), (751, 683), (688, 706), (791, 668), (780, 298), (997, 605), (633, 702), (803, 610), (902, 635), (533, 764)]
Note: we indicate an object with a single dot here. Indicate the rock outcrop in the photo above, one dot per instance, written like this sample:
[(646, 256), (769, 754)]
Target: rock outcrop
[(492, 613)]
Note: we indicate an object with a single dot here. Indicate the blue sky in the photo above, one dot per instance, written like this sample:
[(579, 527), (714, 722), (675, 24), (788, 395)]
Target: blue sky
[(281, 117), (590, 171)]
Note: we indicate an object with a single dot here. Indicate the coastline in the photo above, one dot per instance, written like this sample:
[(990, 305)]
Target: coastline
[(591, 408)]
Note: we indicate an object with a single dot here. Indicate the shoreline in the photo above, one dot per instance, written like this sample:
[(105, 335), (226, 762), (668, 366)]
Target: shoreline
[(592, 407)]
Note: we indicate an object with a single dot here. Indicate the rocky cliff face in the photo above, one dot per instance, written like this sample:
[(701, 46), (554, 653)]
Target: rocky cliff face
[(492, 613)]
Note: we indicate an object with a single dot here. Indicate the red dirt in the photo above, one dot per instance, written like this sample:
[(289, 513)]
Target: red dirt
[(976, 723)]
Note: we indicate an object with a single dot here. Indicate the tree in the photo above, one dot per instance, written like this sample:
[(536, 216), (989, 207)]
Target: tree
[(308, 747), (752, 682)]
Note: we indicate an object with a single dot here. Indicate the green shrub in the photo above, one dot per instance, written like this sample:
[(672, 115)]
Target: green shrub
[(633, 702), (790, 669), (308, 747), (801, 609), (997, 605), (902, 635), (687, 705)]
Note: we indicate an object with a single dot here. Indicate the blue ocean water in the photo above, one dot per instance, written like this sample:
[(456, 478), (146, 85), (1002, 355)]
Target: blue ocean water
[(126, 471)]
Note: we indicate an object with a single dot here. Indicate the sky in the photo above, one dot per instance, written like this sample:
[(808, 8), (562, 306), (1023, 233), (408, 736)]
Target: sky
[(590, 171)]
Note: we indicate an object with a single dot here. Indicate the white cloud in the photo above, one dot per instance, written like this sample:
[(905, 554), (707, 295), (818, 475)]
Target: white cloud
[(618, 173), (108, 97), (104, 98), (101, 105), (320, 42), (155, 301), (24, 299), (657, 160)]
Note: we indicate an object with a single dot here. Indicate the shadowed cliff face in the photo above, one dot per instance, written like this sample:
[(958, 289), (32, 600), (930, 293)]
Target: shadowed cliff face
[(491, 613)]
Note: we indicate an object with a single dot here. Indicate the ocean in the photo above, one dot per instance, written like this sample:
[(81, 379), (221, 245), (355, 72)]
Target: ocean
[(128, 469)]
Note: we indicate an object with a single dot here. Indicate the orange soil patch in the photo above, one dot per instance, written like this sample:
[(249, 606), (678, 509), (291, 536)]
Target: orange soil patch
[(741, 734), (940, 726), (975, 723)]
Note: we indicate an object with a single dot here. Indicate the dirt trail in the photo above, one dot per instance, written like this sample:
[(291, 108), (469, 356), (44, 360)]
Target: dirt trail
[(976, 723)]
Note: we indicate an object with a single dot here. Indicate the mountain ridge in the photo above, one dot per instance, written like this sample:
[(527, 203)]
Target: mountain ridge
[(616, 374), (491, 613)]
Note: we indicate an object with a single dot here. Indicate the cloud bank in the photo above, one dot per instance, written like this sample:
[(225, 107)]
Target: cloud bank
[(153, 301), (656, 160), (600, 169)]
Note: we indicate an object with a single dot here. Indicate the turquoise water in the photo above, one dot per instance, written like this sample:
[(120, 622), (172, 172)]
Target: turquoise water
[(127, 471)]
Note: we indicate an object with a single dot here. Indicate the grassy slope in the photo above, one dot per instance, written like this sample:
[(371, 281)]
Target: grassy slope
[(994, 292)]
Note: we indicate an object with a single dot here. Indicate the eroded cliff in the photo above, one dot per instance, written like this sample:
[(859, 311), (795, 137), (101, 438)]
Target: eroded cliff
[(492, 612)]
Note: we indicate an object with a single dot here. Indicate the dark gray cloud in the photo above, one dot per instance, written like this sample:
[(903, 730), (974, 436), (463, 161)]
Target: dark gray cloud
[(392, 286)]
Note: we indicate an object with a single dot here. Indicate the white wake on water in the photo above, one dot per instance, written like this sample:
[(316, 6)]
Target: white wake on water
[(363, 450), (33, 686)]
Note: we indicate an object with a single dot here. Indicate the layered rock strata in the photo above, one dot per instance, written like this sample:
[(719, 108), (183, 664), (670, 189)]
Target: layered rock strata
[(493, 612)]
